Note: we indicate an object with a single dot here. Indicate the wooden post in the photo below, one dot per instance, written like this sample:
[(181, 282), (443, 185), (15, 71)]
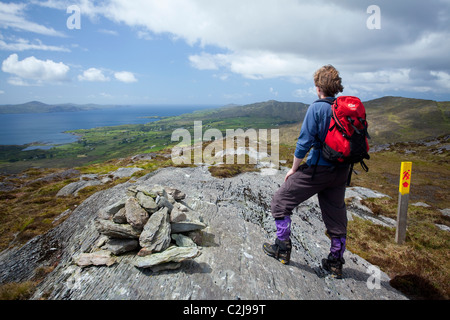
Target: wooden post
[(403, 198)]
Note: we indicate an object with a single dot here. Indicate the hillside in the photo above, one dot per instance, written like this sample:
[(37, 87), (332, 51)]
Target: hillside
[(396, 119), (39, 107), (284, 111), (391, 119)]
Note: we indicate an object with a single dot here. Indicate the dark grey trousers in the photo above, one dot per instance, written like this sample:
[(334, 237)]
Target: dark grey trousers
[(329, 184)]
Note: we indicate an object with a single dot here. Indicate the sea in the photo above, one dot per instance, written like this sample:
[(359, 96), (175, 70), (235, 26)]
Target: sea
[(48, 129)]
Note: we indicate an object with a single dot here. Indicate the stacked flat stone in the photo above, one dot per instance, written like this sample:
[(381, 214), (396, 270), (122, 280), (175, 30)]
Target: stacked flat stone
[(150, 220)]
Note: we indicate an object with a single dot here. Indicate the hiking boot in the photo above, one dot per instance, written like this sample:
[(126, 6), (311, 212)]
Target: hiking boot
[(281, 250), (333, 265)]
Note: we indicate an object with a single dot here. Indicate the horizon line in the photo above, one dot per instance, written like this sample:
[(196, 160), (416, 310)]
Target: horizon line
[(189, 104)]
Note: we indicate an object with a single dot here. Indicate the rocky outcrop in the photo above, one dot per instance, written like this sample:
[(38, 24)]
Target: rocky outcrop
[(223, 260), (141, 221), (356, 208), (73, 188), (87, 180)]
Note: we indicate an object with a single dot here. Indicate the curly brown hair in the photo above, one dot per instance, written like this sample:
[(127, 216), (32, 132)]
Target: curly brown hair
[(328, 80)]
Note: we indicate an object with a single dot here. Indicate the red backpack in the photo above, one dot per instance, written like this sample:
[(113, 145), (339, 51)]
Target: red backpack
[(347, 137)]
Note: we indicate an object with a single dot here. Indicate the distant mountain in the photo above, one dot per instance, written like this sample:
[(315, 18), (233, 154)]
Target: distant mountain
[(39, 107), (397, 119), (287, 112), (391, 119)]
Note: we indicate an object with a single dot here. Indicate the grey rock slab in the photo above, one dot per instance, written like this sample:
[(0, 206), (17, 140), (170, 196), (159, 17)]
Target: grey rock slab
[(147, 202), (120, 246), (163, 202), (363, 193), (183, 241), (73, 188), (115, 230), (107, 212), (172, 254), (124, 172), (443, 227), (445, 212), (186, 226), (120, 216), (156, 233)]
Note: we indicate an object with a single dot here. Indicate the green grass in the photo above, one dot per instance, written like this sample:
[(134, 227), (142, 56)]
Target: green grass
[(423, 259), (430, 172), (421, 267), (17, 291)]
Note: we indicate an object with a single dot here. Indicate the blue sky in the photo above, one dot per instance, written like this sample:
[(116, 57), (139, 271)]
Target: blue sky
[(216, 52)]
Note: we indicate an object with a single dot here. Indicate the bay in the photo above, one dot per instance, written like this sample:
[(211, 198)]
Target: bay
[(48, 128)]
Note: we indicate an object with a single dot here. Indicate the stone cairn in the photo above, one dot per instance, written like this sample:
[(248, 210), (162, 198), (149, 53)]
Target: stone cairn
[(151, 220)]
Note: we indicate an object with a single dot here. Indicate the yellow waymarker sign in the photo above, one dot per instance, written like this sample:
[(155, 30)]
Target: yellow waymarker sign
[(405, 177)]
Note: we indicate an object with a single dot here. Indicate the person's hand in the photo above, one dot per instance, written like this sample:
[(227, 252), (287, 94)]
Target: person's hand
[(290, 173), (294, 168)]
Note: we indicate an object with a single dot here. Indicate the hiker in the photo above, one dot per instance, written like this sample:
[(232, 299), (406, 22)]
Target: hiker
[(316, 176)]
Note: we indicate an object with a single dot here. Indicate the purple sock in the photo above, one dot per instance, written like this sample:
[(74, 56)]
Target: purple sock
[(283, 228), (338, 247)]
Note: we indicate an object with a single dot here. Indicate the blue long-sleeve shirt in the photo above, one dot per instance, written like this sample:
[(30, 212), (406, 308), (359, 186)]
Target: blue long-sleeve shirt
[(313, 132)]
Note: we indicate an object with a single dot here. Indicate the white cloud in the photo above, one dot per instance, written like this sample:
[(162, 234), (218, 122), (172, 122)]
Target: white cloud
[(272, 91), (443, 78), (34, 69), (305, 93), (290, 39), (19, 82), (23, 44), (87, 7), (12, 15), (97, 75), (223, 76), (105, 95), (145, 35), (93, 75), (206, 61), (257, 64), (263, 39), (125, 76), (109, 32)]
